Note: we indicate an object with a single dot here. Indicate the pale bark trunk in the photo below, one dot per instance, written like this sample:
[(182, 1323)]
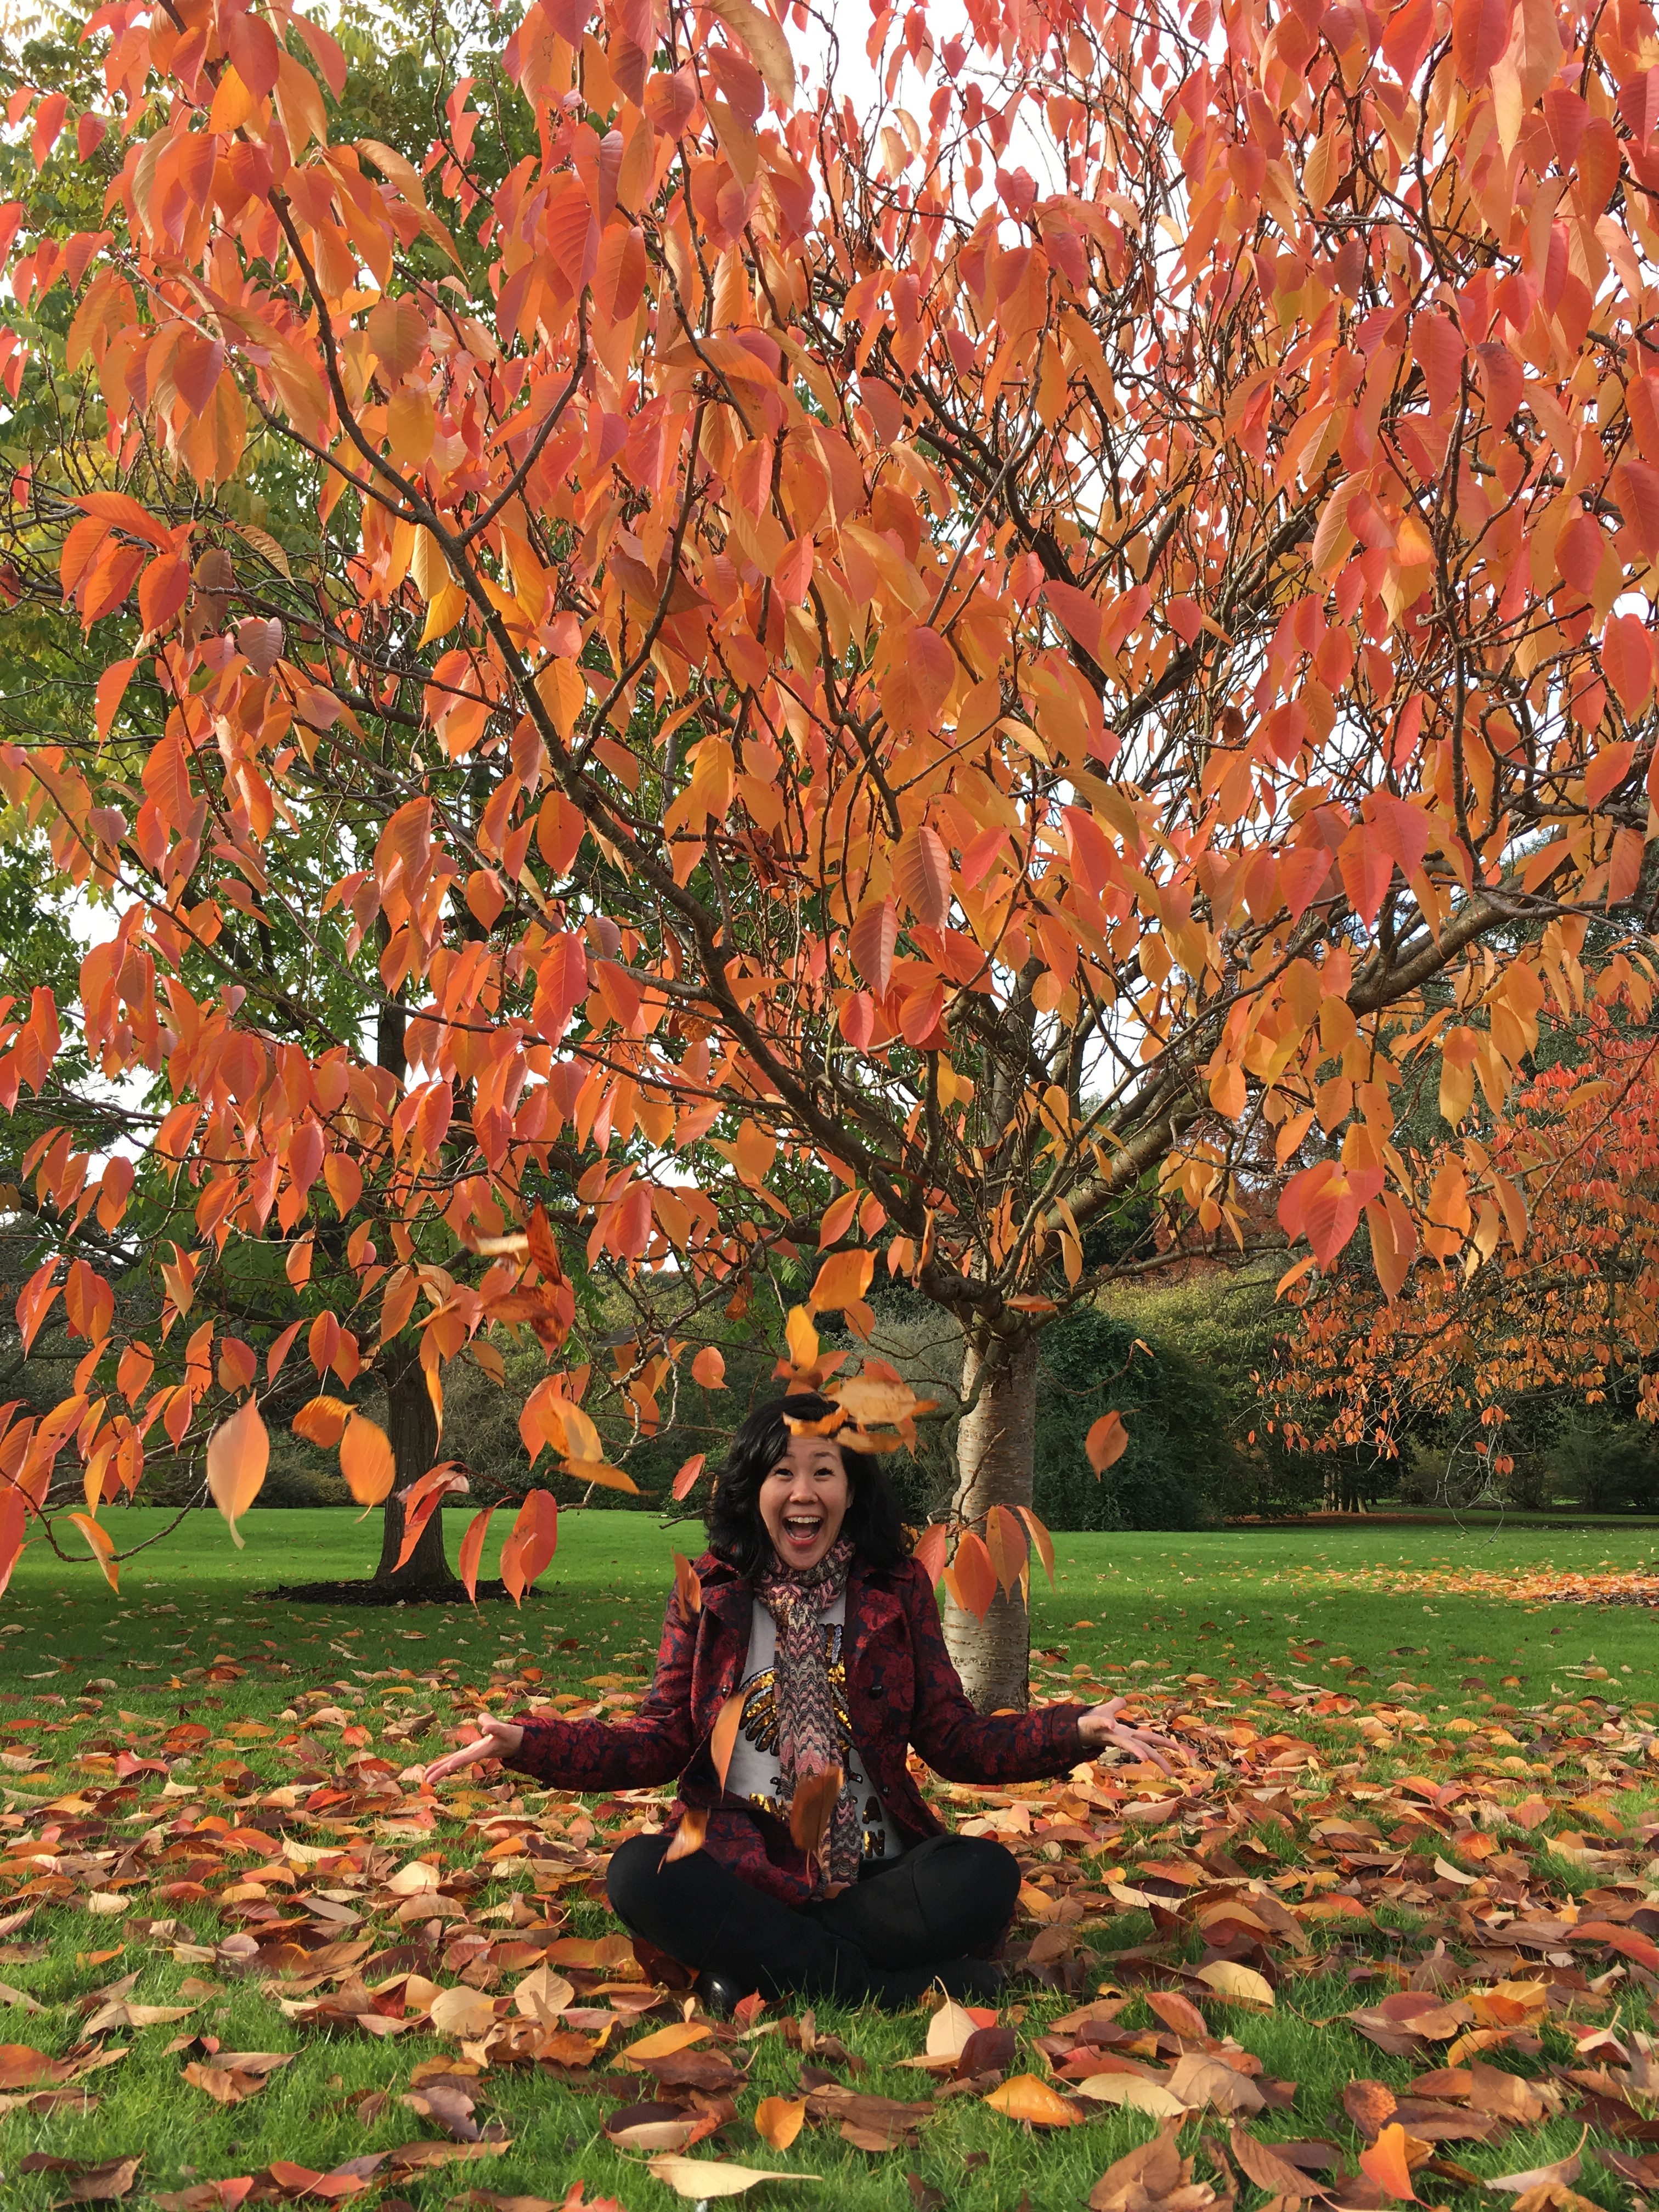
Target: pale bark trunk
[(410, 1423), (996, 1449), (413, 1428)]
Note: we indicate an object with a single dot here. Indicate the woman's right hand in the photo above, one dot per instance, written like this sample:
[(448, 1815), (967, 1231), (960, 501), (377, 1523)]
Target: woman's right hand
[(501, 1740)]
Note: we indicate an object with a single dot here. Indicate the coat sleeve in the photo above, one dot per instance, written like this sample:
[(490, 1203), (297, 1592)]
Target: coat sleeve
[(965, 1746), (652, 1748)]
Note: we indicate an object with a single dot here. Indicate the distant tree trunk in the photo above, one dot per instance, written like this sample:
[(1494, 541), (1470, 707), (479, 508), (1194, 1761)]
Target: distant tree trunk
[(410, 1422), (996, 1453), (413, 1428)]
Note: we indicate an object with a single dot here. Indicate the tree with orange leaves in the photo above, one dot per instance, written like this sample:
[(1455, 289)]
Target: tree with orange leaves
[(1569, 1311), (932, 688)]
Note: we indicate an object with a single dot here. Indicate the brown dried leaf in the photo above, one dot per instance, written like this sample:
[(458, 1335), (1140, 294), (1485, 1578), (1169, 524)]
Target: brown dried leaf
[(1370, 2106), (1261, 2164)]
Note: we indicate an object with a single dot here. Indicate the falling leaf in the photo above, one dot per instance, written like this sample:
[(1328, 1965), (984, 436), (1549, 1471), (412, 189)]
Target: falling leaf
[(367, 1461), (812, 1807), (238, 1454), (1107, 1441), (690, 1831)]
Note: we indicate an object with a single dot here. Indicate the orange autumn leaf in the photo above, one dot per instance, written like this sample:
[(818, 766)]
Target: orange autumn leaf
[(366, 1460), (689, 1834), (1107, 1441), (1384, 2161), (687, 1587), (779, 2120), (1025, 2097), (238, 1454)]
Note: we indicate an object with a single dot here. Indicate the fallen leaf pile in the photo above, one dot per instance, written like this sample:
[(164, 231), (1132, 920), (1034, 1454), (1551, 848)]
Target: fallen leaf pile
[(1544, 1584), (1465, 1900)]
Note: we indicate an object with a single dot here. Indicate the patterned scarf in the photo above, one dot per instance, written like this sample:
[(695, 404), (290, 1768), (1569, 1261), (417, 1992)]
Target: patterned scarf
[(809, 1739)]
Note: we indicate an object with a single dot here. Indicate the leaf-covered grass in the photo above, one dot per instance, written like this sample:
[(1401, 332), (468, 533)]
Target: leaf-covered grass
[(1240, 1632)]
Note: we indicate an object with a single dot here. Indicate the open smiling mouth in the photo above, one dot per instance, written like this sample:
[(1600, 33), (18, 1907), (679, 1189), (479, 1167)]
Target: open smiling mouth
[(803, 1530)]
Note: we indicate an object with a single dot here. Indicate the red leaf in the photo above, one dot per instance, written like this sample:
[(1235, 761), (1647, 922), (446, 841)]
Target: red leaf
[(421, 1501), (531, 1543), (1627, 657), (931, 1549), (970, 1578), (472, 1552), (686, 1479), (871, 941), (921, 875), (111, 691), (1481, 31)]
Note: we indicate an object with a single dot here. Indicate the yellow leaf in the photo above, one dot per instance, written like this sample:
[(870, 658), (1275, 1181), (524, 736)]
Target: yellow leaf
[(1130, 2090), (463, 2013), (667, 2040), (801, 1338), (1242, 1984), (704, 2179)]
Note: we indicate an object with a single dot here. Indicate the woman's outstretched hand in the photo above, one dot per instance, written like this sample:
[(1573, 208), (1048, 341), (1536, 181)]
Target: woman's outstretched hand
[(1100, 1725), (500, 1740)]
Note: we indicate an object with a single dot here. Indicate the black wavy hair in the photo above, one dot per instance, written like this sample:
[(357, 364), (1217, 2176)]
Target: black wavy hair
[(736, 1531)]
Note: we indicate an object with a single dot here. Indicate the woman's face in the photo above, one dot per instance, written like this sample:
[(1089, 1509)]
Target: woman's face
[(803, 1500)]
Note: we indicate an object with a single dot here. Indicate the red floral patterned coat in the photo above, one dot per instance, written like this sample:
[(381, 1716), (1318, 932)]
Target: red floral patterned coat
[(901, 1690)]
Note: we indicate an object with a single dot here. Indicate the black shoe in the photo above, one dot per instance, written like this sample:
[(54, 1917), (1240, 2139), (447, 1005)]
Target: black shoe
[(972, 1981), (718, 1997), (969, 1981)]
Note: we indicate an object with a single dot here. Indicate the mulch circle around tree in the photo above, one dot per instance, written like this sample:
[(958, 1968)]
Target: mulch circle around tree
[(379, 1594)]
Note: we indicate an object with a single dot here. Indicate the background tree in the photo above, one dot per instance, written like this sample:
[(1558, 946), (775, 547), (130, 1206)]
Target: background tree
[(1479, 1362), (921, 685)]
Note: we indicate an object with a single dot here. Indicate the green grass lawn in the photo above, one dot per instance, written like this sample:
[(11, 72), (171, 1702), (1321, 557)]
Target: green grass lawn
[(1225, 1602), (1272, 1623)]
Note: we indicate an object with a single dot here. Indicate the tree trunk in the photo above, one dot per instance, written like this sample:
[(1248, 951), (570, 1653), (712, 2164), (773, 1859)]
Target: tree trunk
[(413, 1427), (996, 1450)]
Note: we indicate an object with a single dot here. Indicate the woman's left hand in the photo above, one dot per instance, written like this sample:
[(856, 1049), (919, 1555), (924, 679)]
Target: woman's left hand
[(1100, 1725)]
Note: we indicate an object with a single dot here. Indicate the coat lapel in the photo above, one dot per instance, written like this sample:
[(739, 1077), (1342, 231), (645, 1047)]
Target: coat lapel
[(870, 1609), (728, 1609)]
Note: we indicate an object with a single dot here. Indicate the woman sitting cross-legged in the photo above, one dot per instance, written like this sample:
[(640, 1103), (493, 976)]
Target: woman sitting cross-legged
[(814, 1616)]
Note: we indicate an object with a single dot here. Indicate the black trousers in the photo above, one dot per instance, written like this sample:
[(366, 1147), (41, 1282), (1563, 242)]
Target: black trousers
[(886, 1938)]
